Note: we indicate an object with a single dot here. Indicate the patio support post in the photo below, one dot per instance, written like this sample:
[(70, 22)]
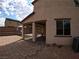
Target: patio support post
[(22, 31), (33, 31)]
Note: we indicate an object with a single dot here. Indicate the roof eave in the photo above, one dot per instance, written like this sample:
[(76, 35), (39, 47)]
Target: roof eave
[(28, 17), (30, 14)]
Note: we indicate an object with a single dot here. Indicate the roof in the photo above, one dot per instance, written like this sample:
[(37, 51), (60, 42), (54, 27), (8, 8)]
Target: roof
[(31, 13), (34, 1), (12, 20), (28, 16)]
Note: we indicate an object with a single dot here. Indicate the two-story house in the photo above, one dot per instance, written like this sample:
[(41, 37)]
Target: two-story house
[(12, 23)]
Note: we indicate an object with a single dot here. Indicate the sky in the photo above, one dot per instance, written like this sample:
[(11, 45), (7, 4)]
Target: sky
[(15, 9)]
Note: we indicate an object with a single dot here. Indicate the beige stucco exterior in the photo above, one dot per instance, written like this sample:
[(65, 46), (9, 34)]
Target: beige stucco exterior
[(12, 23), (49, 10)]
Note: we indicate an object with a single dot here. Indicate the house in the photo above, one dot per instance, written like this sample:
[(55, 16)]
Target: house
[(12, 23), (57, 20), (12, 27), (16, 25)]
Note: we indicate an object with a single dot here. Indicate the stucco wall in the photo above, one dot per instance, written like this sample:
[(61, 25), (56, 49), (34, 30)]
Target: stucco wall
[(67, 12), (44, 9), (51, 32), (11, 23), (51, 35)]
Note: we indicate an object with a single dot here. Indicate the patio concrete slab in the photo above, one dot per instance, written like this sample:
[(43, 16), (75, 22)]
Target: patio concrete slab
[(12, 47)]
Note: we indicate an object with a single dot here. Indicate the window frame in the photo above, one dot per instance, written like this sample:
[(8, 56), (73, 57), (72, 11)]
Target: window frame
[(63, 19), (76, 3)]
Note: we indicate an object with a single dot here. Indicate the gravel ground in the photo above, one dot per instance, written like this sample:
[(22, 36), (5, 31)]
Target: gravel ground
[(11, 47)]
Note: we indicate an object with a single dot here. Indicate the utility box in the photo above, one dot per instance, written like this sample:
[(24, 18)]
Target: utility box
[(75, 44)]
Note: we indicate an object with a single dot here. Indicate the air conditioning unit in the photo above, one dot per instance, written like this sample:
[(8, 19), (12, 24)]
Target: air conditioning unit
[(75, 45)]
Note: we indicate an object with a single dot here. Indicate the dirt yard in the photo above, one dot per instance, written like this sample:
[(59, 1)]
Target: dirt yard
[(12, 47)]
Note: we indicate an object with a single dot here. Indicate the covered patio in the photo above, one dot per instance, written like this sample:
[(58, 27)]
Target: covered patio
[(36, 30)]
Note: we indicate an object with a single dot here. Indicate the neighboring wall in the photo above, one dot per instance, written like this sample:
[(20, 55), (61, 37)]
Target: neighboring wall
[(51, 9), (8, 31)]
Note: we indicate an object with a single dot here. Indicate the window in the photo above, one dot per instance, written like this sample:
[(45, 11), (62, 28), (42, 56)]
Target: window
[(76, 3), (63, 27)]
